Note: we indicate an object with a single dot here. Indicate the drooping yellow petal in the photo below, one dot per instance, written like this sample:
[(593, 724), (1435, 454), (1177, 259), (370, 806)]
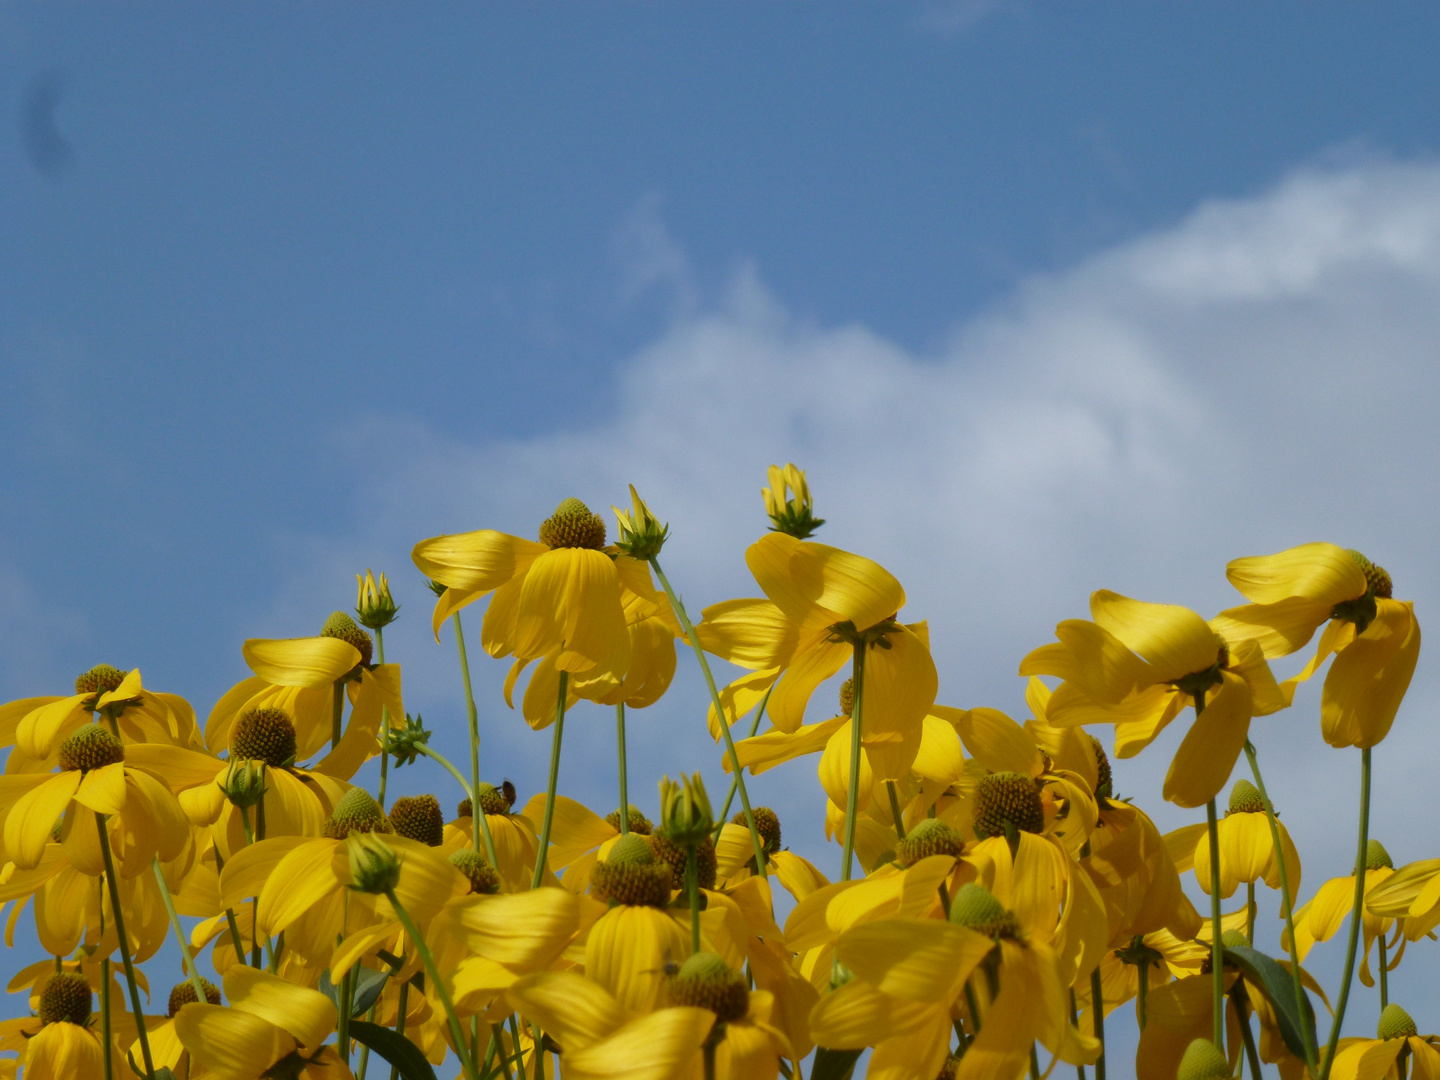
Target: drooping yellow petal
[(12, 713), (1207, 755), (231, 1043), (918, 959), (739, 697), (1320, 572), (497, 631), (299, 881), (812, 582), (660, 1046), (520, 930), (103, 789), (178, 767), (575, 829), (1368, 680), (42, 729), (571, 599), (627, 951), (762, 752), (573, 1010), (900, 687), (63, 1051), (834, 769), (1091, 657), (858, 1015), (312, 661), (751, 633), (475, 561), (1173, 640), (799, 877), (28, 824), (816, 659), (306, 1014), (998, 743), (1279, 628)]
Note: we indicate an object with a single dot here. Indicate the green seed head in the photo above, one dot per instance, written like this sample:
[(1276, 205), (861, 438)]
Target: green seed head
[(573, 526), (1375, 576), (92, 747), (1202, 1061), (492, 801), (66, 998), (1104, 779), (482, 876), (975, 906), (1007, 797), (1234, 939), (1376, 857), (418, 817), (1245, 799), (637, 823), (767, 824), (356, 812), (342, 626), (930, 837), (266, 735), (704, 981), (847, 697), (632, 875), (100, 679), (184, 994), (1395, 1023)]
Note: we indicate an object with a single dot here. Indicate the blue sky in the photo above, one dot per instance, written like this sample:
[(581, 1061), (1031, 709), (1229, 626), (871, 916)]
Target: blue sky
[(1047, 297)]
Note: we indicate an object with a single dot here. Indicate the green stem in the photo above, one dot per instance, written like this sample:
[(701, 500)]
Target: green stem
[(1287, 897), (560, 696), (457, 1031), (384, 770), (692, 887), (105, 1030), (337, 712), (1034, 1064), (1242, 1014), (1384, 973), (973, 1006), (235, 938), (709, 1050), (895, 809), (477, 817), (1250, 912), (1075, 1022), (139, 1013), (1217, 947), (184, 944), (730, 797), (1097, 1002), (404, 1005), (624, 791), (475, 809), (498, 1034), (761, 862), (346, 994), (852, 797), (1356, 915), (1142, 973), (539, 1045)]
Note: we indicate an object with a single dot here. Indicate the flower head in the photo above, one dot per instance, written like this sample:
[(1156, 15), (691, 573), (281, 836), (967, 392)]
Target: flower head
[(374, 605), (641, 534), (787, 501)]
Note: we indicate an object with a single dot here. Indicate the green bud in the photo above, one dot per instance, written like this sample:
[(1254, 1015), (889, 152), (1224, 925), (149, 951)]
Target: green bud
[(1203, 1061), (641, 535), (374, 866), (373, 604), (244, 784), (685, 815)]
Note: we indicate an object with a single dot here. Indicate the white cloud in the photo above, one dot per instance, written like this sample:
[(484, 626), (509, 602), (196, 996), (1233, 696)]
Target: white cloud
[(1262, 374)]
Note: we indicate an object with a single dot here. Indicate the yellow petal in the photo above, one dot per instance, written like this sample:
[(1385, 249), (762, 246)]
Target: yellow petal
[(1093, 658), (919, 959), (1319, 572), (28, 824), (575, 829), (179, 768), (834, 769), (300, 661), (12, 713), (900, 687), (222, 716), (520, 930), (228, 1042), (763, 752), (475, 561), (41, 730), (998, 743), (1279, 629), (1207, 755), (103, 789), (858, 1015), (63, 1051), (661, 1046), (627, 951), (306, 1014), (572, 1009), (1173, 640), (815, 660), (796, 873), (1368, 680), (300, 880), (812, 582), (571, 599), (750, 633), (739, 697)]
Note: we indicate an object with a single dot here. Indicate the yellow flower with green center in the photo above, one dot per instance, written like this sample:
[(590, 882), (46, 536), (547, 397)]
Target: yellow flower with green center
[(1138, 665), (1397, 1039), (1247, 852), (1374, 637), (1320, 918)]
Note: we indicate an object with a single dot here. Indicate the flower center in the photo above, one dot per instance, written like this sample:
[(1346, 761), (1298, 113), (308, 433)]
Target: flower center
[(976, 907), (847, 697), (492, 802), (1376, 857), (1104, 779), (1245, 799), (930, 837), (636, 822), (706, 982), (1202, 1061), (767, 824), (342, 626), (673, 855), (356, 812), (1395, 1023), (92, 747), (1007, 798), (482, 876), (100, 679), (184, 994), (66, 998), (266, 735), (418, 818), (573, 526), (632, 875)]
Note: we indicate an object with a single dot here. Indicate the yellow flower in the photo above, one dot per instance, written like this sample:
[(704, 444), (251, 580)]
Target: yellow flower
[(788, 502), (1247, 852), (1411, 895), (270, 1024), (1397, 1039), (1319, 919), (514, 835), (745, 1045), (63, 1042), (374, 605), (1138, 665), (1375, 638)]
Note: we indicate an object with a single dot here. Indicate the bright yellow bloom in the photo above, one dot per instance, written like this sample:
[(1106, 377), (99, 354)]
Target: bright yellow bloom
[(514, 835), (1247, 852), (1396, 1035), (788, 502), (63, 1042), (1375, 638), (270, 1024), (1138, 665), (1411, 895), (1327, 911)]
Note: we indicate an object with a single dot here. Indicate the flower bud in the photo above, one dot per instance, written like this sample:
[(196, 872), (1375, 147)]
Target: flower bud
[(1395, 1023), (1203, 1061), (244, 784), (374, 866), (685, 815), (641, 535), (787, 501), (374, 604)]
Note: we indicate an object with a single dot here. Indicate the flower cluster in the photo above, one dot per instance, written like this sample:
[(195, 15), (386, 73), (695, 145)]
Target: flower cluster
[(994, 902)]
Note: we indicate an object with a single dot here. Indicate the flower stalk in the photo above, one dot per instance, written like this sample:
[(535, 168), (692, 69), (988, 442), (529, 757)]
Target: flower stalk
[(135, 1007), (1357, 913), (852, 796), (554, 781), (457, 1030)]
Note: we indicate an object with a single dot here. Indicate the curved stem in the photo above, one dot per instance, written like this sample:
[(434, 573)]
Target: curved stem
[(724, 815), (1097, 1002), (895, 809), (180, 939), (457, 1031), (1357, 912), (620, 749), (479, 824), (475, 808), (560, 697), (692, 887), (384, 760), (1242, 1014), (138, 1012), (1307, 1032), (761, 863), (1217, 946), (852, 797)]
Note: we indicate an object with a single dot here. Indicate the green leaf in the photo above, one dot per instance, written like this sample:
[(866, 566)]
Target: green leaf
[(394, 1048), (368, 985), (1272, 979), (834, 1064), (329, 989)]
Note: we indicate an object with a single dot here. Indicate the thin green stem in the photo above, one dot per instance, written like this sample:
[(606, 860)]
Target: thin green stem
[(515, 1042), (1142, 974), (342, 1028), (498, 1034), (384, 765), (709, 1053), (1250, 912), (762, 864), (1287, 898), (337, 712), (105, 1030), (404, 1005), (1034, 1063), (898, 817), (179, 931), (730, 797), (539, 1045), (972, 1005), (136, 1009), (235, 938), (1357, 912), (692, 888), (477, 818), (852, 797), (1384, 973), (457, 1031), (620, 750), (476, 811), (1075, 1022), (1217, 946), (1242, 1014), (1097, 1002), (549, 817)]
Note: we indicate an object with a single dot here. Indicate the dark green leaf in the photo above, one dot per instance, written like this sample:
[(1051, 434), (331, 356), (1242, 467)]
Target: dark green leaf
[(368, 985), (396, 1049), (1272, 979), (833, 1064), (329, 989)]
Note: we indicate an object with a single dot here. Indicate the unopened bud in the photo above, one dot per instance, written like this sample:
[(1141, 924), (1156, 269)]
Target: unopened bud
[(685, 815), (374, 866), (788, 503), (641, 534), (374, 605)]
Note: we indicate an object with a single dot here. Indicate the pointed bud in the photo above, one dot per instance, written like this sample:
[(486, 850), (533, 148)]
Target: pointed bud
[(685, 815), (641, 534), (788, 503), (374, 865), (373, 604)]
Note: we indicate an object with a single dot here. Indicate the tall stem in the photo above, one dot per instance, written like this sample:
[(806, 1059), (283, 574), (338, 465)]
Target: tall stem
[(620, 750), (762, 865), (1097, 1002), (895, 809), (1287, 897), (478, 823), (135, 1007), (457, 1030), (1142, 973), (498, 1034), (692, 887), (384, 753), (560, 696), (1079, 1069), (1357, 912), (1384, 972), (1242, 1014), (105, 1027), (476, 810), (852, 797), (1250, 912), (404, 1005), (180, 938), (1217, 946), (337, 712), (730, 796)]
